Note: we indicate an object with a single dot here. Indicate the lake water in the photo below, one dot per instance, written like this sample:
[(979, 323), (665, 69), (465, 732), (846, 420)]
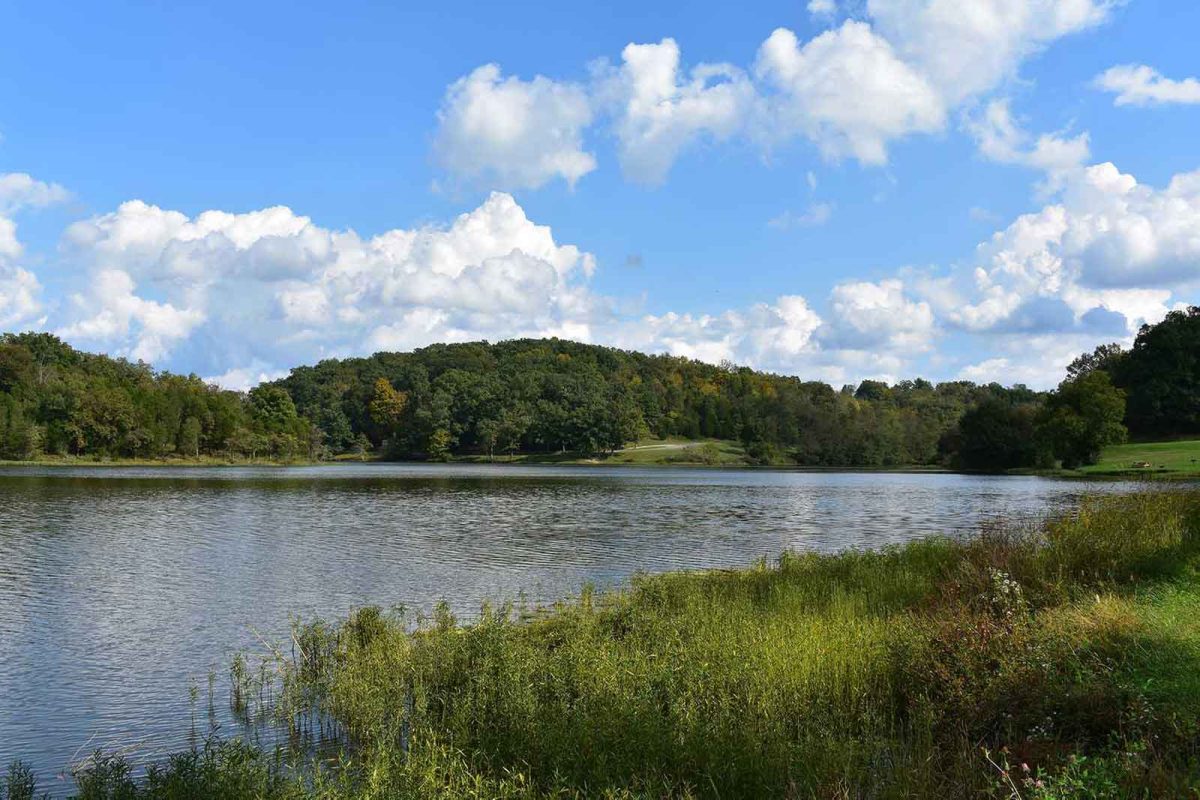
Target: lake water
[(119, 587)]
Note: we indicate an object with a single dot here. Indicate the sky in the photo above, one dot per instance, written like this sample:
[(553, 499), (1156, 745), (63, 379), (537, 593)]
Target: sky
[(836, 189)]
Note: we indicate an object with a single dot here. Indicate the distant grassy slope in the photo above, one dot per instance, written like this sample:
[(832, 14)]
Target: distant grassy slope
[(1170, 458), (681, 451), (646, 452)]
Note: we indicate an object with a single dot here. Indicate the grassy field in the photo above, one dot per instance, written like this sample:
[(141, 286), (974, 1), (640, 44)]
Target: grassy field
[(646, 452), (1056, 662), (1165, 458), (709, 452)]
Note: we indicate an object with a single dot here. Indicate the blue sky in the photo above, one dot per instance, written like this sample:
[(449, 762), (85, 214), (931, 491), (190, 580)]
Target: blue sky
[(839, 190)]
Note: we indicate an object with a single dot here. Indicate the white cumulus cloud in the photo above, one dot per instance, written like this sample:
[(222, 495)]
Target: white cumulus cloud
[(1106, 256), (967, 47), (660, 110), (20, 294), (878, 316), (511, 133), (259, 289), (822, 8), (112, 312), (19, 190), (1140, 85), (1001, 139), (20, 290), (846, 91), (896, 71)]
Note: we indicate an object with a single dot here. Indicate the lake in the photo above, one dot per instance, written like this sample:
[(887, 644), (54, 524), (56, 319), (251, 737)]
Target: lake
[(120, 587)]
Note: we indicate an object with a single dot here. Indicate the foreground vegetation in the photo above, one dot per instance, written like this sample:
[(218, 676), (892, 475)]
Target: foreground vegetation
[(1056, 662)]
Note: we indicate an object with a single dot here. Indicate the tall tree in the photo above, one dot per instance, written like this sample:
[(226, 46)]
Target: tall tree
[(1081, 418), (997, 435), (386, 407), (1161, 375)]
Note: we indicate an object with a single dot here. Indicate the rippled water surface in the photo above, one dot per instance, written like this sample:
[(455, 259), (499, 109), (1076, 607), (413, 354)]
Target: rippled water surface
[(121, 586)]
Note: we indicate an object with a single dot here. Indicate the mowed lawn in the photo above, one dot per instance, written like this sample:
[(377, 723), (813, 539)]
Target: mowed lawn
[(1181, 457), (712, 452)]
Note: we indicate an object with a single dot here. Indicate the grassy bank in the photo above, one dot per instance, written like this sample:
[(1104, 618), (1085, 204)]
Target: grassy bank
[(677, 451), (1174, 459), (646, 452), (1056, 662)]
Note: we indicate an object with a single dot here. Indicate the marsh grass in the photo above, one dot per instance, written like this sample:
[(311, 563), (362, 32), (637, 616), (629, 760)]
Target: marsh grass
[(1056, 661)]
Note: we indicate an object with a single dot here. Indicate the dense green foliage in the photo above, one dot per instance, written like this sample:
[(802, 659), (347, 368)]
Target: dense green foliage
[(1048, 663), (996, 435), (556, 396), (56, 400), (553, 395), (1082, 418), (1160, 374)]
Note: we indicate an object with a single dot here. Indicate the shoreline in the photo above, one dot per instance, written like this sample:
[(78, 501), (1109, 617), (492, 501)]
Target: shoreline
[(1057, 657), (1150, 476)]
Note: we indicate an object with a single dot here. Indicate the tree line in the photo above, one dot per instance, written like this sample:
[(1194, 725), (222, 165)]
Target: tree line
[(1150, 391), (55, 400), (558, 396)]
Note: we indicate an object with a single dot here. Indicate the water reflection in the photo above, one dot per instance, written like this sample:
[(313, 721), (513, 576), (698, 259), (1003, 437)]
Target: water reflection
[(121, 586)]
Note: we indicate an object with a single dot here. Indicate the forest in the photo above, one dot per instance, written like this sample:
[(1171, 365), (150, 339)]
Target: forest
[(558, 396)]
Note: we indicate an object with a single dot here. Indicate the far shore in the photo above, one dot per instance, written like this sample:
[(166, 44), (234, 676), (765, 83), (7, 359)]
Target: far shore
[(1107, 469)]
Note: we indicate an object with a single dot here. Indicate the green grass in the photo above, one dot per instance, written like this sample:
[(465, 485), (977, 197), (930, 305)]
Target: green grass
[(707, 452), (1061, 661), (645, 452), (1166, 458)]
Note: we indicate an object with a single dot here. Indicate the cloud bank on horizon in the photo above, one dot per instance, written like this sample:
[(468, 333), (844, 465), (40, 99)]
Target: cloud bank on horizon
[(242, 296)]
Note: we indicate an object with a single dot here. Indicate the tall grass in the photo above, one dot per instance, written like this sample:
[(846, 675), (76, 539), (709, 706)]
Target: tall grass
[(1012, 664)]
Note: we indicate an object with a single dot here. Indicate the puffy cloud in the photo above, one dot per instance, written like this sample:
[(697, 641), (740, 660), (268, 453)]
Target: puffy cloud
[(899, 72), (20, 290), (967, 47), (1108, 255), (10, 246), (19, 190), (878, 316), (873, 331), (1108, 232), (1037, 361), (513, 133), (822, 8), (244, 294), (113, 312), (271, 287), (1140, 85), (19, 295), (851, 90), (238, 296), (659, 110), (775, 336), (847, 91), (1002, 140)]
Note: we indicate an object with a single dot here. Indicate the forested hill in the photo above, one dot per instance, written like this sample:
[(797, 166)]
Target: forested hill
[(551, 395)]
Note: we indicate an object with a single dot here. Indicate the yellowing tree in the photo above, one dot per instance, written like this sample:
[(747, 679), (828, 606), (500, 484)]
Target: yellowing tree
[(387, 405)]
